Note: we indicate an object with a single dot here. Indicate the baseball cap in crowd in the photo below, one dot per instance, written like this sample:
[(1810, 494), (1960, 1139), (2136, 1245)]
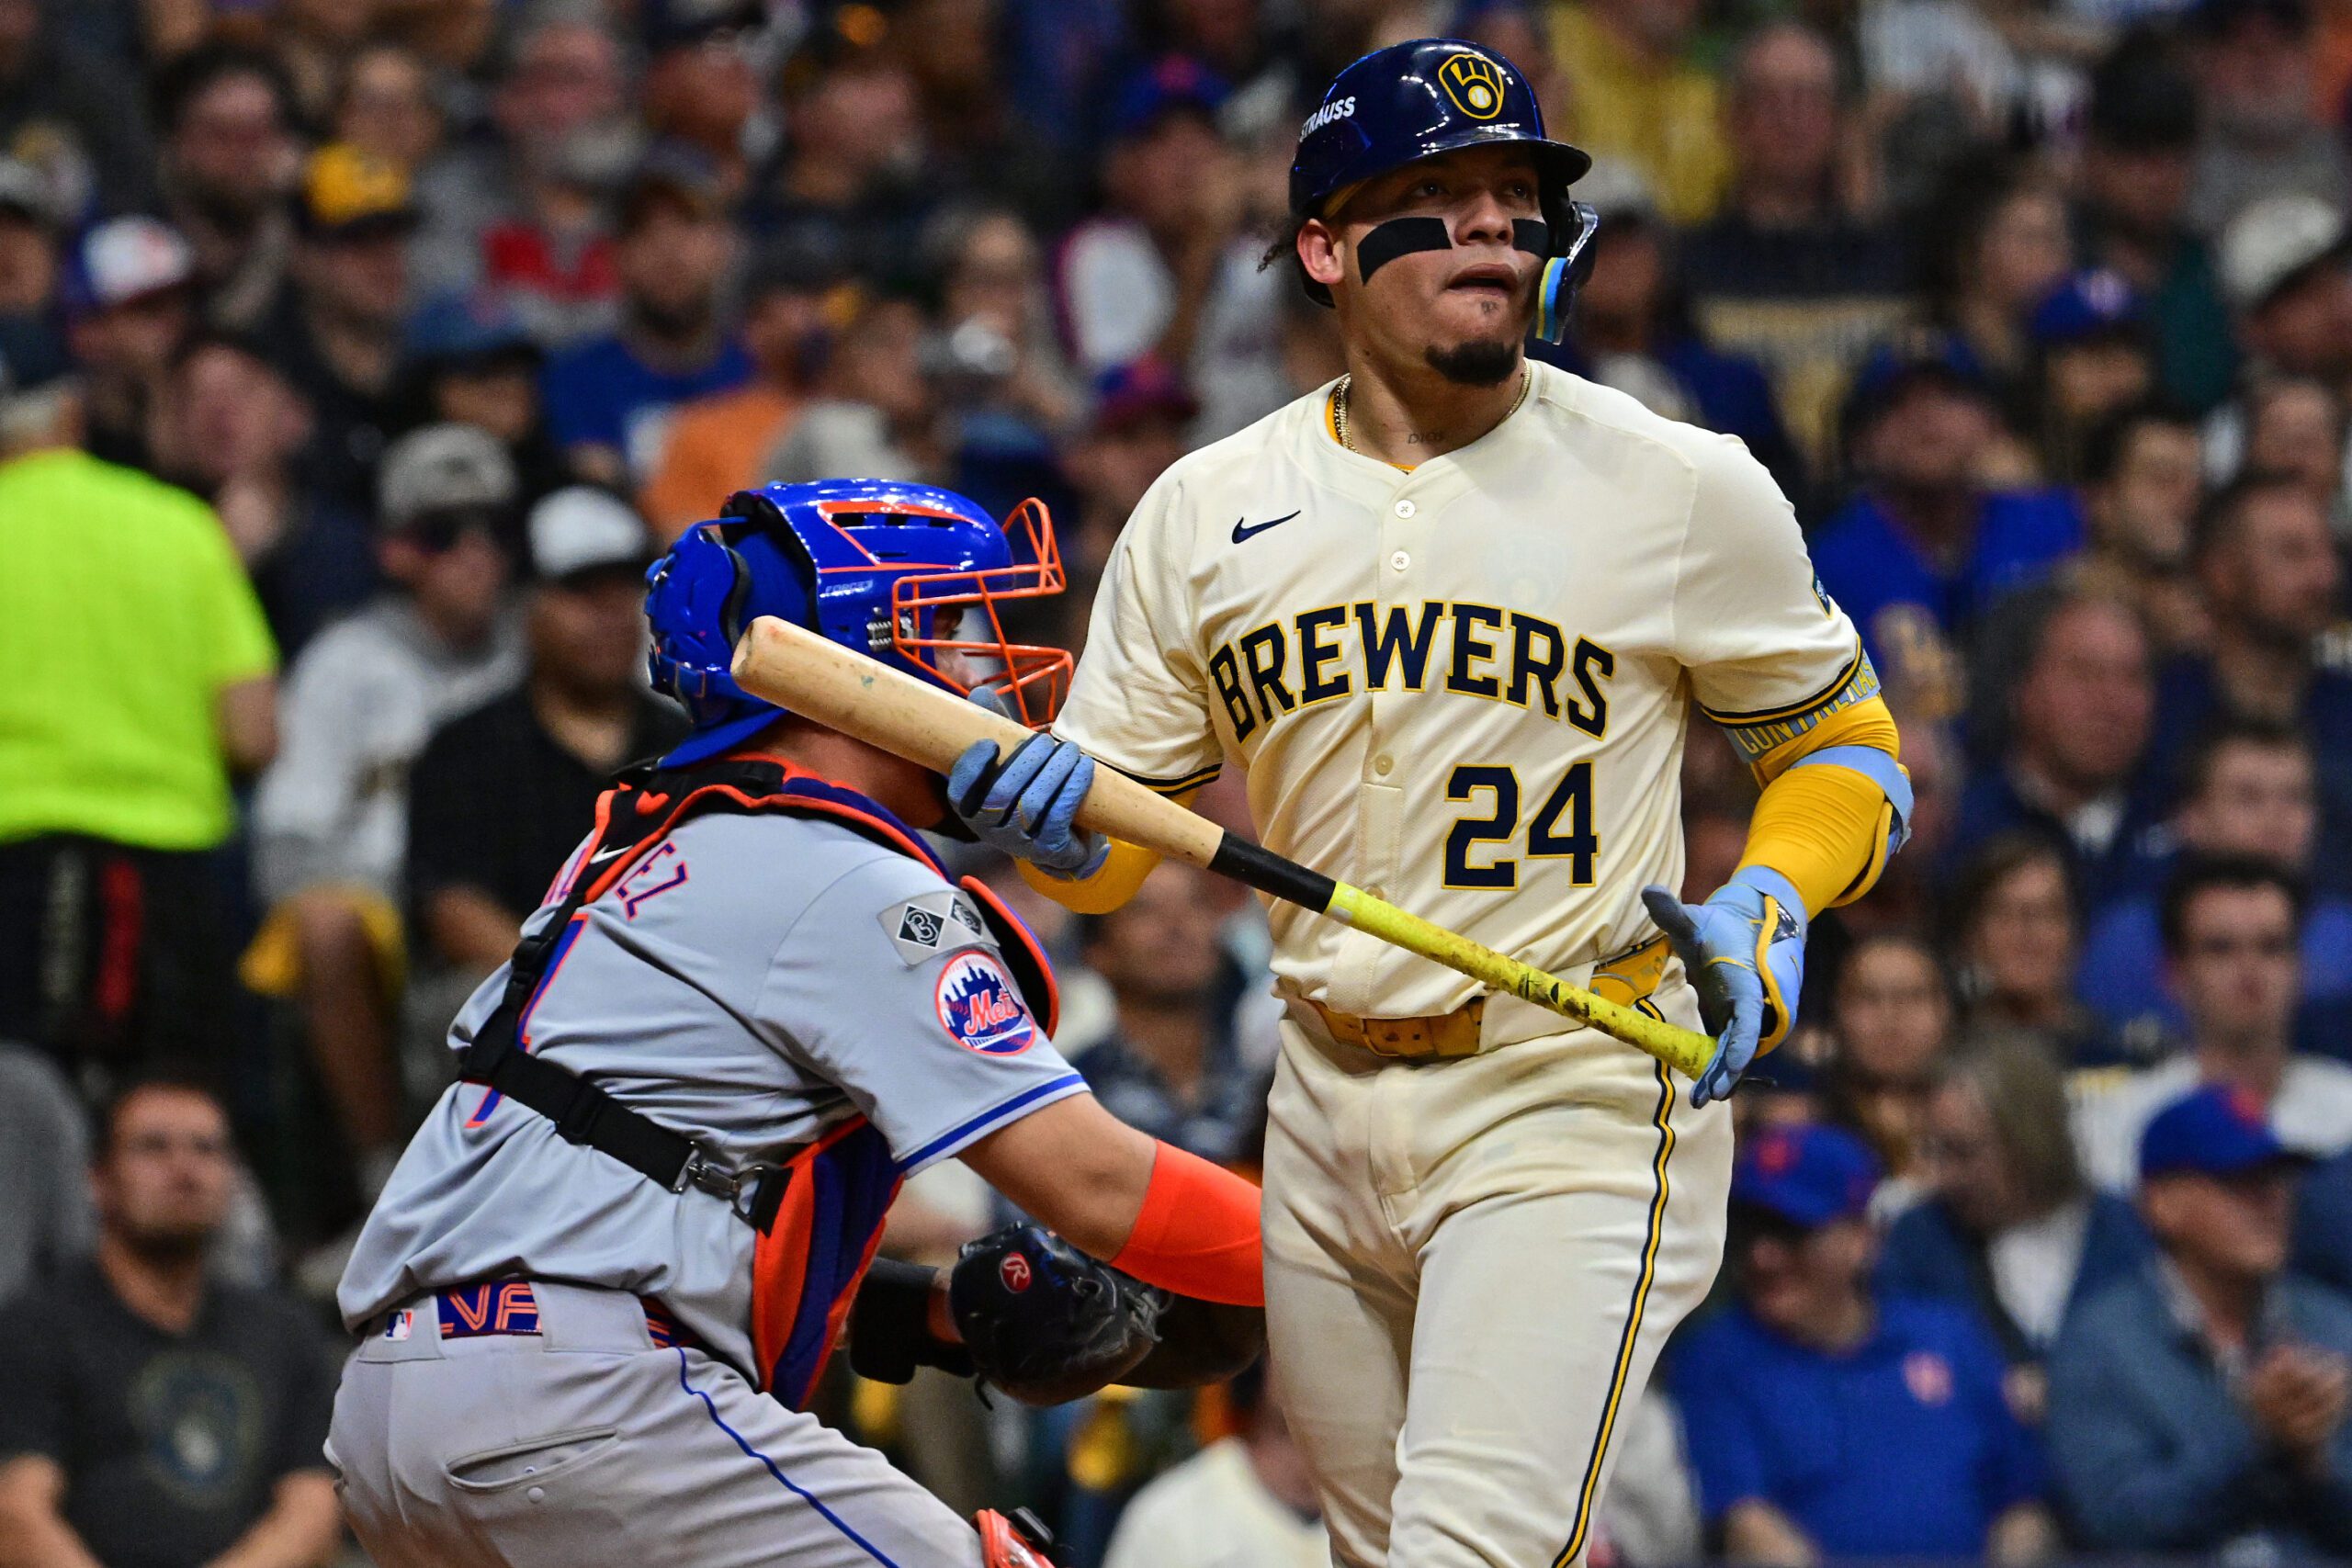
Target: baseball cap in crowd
[(443, 469), (1174, 83), (581, 529), (670, 174), (1925, 357), (1143, 389), (2212, 1130), (2142, 100), (2088, 305), (2216, 19), (2276, 242), (26, 191), (682, 24), (124, 259), (1808, 1176), (469, 328), (350, 193)]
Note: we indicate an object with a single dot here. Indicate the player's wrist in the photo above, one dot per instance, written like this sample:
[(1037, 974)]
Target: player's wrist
[(1764, 880)]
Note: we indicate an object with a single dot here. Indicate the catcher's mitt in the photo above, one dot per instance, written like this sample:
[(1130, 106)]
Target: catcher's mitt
[(1045, 1322)]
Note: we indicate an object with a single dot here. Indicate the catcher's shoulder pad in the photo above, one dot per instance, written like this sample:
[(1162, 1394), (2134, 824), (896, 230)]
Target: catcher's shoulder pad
[(1016, 1542), (1045, 1321)]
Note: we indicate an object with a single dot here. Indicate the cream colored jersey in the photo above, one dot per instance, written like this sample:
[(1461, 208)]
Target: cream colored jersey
[(1463, 688)]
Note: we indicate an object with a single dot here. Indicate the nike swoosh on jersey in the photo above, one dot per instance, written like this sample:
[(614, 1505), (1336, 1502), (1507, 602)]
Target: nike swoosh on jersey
[(1243, 528)]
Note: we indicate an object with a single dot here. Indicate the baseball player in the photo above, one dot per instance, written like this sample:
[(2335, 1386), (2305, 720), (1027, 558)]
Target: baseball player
[(609, 1268), (1451, 615)]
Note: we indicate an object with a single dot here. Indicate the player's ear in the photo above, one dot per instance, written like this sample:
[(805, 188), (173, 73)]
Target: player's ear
[(1321, 252)]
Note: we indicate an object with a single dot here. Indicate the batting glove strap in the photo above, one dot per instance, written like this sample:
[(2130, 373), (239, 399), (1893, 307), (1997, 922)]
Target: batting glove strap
[(1026, 804), (1744, 949)]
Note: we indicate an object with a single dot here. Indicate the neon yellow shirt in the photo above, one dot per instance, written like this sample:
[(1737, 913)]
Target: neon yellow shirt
[(1665, 121), (124, 613)]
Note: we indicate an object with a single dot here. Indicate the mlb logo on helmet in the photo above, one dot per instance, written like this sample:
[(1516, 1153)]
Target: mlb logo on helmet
[(979, 1006), (1474, 85)]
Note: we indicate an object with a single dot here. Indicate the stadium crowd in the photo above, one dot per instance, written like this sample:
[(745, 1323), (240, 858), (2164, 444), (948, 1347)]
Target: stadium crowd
[(358, 356)]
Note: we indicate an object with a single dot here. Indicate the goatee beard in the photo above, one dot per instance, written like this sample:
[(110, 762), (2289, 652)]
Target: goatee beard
[(1476, 363)]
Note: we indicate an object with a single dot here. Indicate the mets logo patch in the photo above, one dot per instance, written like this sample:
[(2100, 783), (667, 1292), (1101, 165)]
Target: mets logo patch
[(979, 1006), (1474, 85)]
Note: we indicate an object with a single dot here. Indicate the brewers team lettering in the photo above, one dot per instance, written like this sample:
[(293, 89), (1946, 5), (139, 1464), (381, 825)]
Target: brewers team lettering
[(1498, 655), (980, 1009)]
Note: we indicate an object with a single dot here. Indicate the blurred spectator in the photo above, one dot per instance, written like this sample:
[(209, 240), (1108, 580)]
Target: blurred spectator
[(852, 179), (331, 817), (1995, 247), (2273, 582), (1243, 1499), (698, 89), (1632, 325), (1826, 1422), (1635, 94), (1793, 269), (1924, 549), (336, 333), (384, 107), (1169, 1065), (2011, 1230), (232, 428), (2140, 489), (2259, 134), (501, 796), (470, 360), (1893, 1018), (2230, 929), (314, 41), (2068, 759), (517, 214), (1167, 267), (229, 162), (2197, 1405), (609, 400), (31, 265), (71, 106), (2132, 205), (2017, 930), (2324, 1225), (2282, 267), (1141, 411), (115, 762), (873, 413), (716, 445), (46, 1221), (994, 354), (2251, 792), (2092, 359), (156, 1416), (2295, 428), (1648, 1516), (127, 311)]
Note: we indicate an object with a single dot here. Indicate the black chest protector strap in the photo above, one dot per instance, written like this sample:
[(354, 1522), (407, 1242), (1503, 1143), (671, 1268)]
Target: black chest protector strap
[(641, 808)]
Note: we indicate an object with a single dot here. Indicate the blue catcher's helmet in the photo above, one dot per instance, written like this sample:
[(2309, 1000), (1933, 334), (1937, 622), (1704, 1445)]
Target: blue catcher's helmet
[(905, 573), (1415, 100)]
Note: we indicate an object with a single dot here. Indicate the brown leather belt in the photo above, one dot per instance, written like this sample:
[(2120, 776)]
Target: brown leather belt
[(1627, 979)]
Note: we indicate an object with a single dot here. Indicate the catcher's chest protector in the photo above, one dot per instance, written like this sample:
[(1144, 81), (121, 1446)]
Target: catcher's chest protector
[(818, 1213)]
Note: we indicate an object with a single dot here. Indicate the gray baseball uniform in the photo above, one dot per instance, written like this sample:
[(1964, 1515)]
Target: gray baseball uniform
[(756, 983)]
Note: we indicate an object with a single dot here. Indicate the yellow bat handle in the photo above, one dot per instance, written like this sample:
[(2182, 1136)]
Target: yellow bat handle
[(1687, 1051)]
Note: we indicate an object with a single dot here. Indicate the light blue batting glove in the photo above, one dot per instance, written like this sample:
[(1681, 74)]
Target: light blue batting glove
[(1026, 804), (1744, 951)]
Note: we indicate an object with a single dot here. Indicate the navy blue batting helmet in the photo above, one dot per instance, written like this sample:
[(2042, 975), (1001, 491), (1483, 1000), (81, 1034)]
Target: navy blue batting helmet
[(905, 573), (1416, 100)]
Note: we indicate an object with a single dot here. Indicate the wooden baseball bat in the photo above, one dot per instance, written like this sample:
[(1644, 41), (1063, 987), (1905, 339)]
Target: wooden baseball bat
[(821, 680)]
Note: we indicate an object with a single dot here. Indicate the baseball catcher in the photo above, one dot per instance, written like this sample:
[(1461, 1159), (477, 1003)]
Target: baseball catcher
[(609, 1270)]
